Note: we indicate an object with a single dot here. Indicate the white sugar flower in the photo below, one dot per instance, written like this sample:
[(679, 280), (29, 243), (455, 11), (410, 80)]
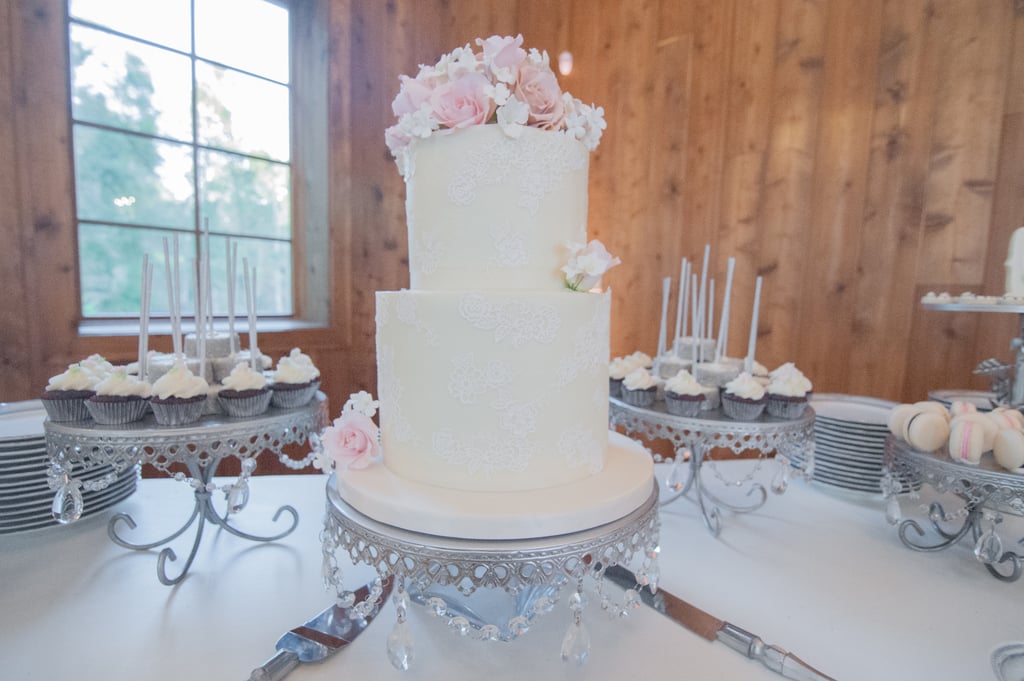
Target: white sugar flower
[(363, 403), (587, 264), (513, 116), (459, 62), (538, 57), (499, 92)]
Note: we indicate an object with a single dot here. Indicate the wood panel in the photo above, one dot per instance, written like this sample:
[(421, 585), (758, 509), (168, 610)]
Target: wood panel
[(855, 153)]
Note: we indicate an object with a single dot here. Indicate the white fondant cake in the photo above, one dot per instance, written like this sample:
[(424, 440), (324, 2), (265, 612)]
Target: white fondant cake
[(492, 367)]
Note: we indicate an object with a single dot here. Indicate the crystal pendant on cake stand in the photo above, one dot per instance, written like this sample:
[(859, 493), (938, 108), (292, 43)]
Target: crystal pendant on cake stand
[(693, 438), (490, 590), (77, 447), (987, 496)]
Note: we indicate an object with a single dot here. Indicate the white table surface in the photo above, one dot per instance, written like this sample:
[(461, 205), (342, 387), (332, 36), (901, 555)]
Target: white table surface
[(822, 576)]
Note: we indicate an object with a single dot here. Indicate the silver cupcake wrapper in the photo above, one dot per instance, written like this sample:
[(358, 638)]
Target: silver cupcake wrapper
[(638, 398), (245, 406), (741, 411), (180, 413), (117, 413), (290, 399), (67, 410), (683, 407), (615, 387), (786, 409)]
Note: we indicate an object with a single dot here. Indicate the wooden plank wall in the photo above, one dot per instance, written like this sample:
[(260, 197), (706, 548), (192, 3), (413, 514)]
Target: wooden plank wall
[(856, 153)]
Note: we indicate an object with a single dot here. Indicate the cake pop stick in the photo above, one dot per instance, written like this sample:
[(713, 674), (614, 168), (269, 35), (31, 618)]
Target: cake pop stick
[(748, 363), (685, 296), (666, 289), (232, 265), (711, 308), (699, 332), (147, 283), (178, 350), (250, 302), (695, 308), (723, 329), (679, 300)]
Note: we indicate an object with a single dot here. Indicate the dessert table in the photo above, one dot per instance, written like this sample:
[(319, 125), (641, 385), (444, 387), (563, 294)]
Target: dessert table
[(821, 575)]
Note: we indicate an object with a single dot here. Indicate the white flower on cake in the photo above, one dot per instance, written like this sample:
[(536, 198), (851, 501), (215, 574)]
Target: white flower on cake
[(363, 403), (587, 264), (499, 83)]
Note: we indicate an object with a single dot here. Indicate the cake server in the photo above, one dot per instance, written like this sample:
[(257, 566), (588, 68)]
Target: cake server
[(317, 639), (713, 629)]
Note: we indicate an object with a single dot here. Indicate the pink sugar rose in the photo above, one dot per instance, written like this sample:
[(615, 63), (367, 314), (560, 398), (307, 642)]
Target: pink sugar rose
[(352, 440), (462, 102), (538, 88), (504, 54), (413, 93)]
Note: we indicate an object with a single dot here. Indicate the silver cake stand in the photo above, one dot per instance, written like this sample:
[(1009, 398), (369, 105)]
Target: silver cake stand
[(986, 494), (77, 447), (488, 590), (699, 435)]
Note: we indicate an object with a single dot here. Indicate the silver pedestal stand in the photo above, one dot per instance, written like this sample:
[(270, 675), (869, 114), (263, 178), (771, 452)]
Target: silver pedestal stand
[(77, 447), (698, 435), (489, 590), (987, 493)]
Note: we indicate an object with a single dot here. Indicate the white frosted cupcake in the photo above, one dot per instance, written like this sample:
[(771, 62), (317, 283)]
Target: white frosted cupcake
[(66, 393), (245, 392), (684, 396), (179, 396), (618, 369), (295, 381), (120, 398), (788, 391), (639, 388), (744, 398)]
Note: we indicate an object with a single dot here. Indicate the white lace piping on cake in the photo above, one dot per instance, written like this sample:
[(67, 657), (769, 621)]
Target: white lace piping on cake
[(546, 161), (513, 321), (429, 252), (482, 454), (408, 315), (579, 448), (590, 346), (509, 244), (391, 391), (469, 379)]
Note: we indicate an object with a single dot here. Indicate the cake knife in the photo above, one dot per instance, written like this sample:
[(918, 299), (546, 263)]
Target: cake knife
[(317, 639), (713, 629)]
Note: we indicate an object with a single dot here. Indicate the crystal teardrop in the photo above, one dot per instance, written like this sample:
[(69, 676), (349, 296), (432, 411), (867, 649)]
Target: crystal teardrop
[(400, 647), (576, 644)]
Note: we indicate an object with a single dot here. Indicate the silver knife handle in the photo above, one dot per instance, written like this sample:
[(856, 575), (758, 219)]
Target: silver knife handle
[(778, 660), (276, 668)]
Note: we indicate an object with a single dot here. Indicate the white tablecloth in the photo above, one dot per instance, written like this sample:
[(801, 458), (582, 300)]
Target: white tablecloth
[(822, 576)]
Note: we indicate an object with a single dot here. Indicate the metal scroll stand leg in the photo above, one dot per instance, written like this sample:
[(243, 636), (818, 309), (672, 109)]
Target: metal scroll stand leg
[(202, 511), (708, 502)]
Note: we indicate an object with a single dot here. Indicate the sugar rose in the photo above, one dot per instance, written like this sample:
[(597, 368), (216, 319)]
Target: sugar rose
[(538, 88), (352, 440), (463, 102)]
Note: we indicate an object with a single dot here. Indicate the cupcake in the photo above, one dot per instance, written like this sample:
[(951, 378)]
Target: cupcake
[(66, 394), (618, 369), (120, 398), (245, 392), (715, 374), (684, 396), (639, 388), (787, 393), (744, 398), (179, 396), (295, 381)]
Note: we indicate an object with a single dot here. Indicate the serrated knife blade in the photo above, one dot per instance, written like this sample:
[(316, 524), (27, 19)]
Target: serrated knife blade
[(319, 638), (713, 629)]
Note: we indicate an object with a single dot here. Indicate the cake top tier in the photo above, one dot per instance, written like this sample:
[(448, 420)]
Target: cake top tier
[(498, 83)]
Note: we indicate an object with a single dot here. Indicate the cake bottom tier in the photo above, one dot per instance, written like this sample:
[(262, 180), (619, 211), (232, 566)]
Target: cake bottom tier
[(620, 488)]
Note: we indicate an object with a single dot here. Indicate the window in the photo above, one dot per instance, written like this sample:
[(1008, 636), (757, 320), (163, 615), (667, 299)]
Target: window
[(182, 117)]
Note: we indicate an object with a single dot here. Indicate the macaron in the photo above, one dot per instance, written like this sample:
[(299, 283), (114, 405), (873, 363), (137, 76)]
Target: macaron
[(926, 430), (898, 417), (957, 408), (987, 425), (1009, 449), (1007, 418), (966, 441), (936, 407)]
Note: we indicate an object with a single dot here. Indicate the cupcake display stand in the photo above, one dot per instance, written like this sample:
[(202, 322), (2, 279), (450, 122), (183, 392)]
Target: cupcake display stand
[(77, 447), (490, 590), (988, 497), (699, 435)]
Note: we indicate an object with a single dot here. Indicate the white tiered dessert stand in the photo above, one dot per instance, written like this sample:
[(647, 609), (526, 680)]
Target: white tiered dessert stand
[(699, 435), (491, 590), (76, 447)]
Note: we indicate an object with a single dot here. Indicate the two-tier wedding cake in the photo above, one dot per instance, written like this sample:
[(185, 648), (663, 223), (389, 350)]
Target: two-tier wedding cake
[(492, 366)]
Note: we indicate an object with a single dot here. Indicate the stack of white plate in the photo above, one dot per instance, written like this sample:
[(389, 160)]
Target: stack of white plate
[(25, 496), (849, 441)]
